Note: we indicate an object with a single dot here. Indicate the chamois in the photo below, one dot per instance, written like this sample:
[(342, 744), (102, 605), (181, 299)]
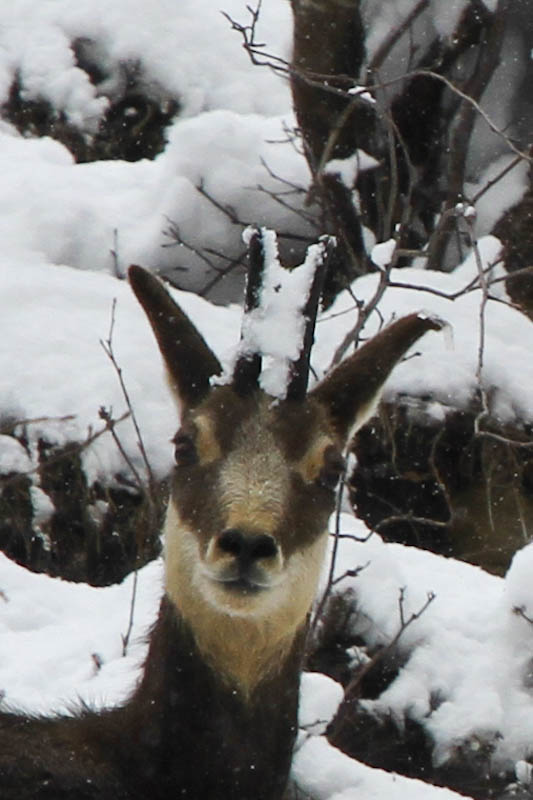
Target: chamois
[(215, 713)]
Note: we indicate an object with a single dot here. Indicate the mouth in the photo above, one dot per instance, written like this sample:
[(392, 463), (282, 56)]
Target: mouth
[(241, 586)]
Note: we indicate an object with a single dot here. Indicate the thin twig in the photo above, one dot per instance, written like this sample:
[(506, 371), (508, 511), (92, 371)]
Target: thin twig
[(222, 273), (523, 155), (11, 425), (408, 517), (351, 692), (352, 337), (104, 414), (126, 636), (107, 346), (497, 178), (349, 573), (521, 612), (333, 560), (482, 277), (114, 255), (226, 209), (69, 450)]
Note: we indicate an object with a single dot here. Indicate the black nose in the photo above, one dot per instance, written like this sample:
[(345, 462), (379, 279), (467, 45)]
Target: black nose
[(247, 547)]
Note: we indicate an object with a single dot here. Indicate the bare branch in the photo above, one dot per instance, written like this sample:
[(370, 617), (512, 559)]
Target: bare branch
[(333, 560), (107, 346), (126, 636), (104, 414), (393, 519), (238, 261), (255, 49), (114, 255), (349, 573), (11, 425), (352, 337), (351, 693), (69, 450), (520, 611), (497, 178)]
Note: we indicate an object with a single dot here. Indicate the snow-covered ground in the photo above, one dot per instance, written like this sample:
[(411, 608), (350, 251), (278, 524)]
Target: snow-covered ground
[(229, 136), (59, 222), (63, 641)]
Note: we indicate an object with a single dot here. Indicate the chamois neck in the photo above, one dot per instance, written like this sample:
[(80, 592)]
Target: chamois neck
[(239, 655), (200, 731)]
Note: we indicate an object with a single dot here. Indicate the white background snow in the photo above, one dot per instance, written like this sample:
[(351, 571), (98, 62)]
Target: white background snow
[(59, 222)]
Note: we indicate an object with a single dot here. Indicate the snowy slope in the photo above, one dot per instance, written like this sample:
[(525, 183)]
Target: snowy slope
[(174, 44), (77, 214), (229, 135), (54, 318), (59, 222), (448, 362), (72, 634)]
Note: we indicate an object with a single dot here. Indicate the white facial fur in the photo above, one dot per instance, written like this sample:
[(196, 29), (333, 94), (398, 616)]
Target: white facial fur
[(241, 633)]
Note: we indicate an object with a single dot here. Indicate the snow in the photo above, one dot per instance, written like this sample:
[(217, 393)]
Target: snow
[(173, 44), (505, 192), (468, 648), (447, 15), (383, 252), (349, 168), (230, 135), (60, 630), (13, 457), (276, 327), (444, 373), (471, 616), (320, 698), (77, 214), (342, 778)]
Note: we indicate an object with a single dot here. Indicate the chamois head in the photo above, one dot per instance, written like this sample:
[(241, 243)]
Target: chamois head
[(255, 476)]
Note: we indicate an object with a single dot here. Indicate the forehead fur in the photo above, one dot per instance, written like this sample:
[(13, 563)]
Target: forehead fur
[(290, 426), (254, 477)]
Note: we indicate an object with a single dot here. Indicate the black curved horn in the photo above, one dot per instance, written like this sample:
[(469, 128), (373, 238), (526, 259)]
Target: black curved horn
[(248, 366), (299, 369)]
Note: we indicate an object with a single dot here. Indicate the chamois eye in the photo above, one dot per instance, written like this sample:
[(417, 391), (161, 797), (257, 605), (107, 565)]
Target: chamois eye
[(333, 468), (184, 449)]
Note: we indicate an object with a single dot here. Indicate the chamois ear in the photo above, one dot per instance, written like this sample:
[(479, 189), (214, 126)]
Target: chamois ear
[(189, 361), (351, 392)]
